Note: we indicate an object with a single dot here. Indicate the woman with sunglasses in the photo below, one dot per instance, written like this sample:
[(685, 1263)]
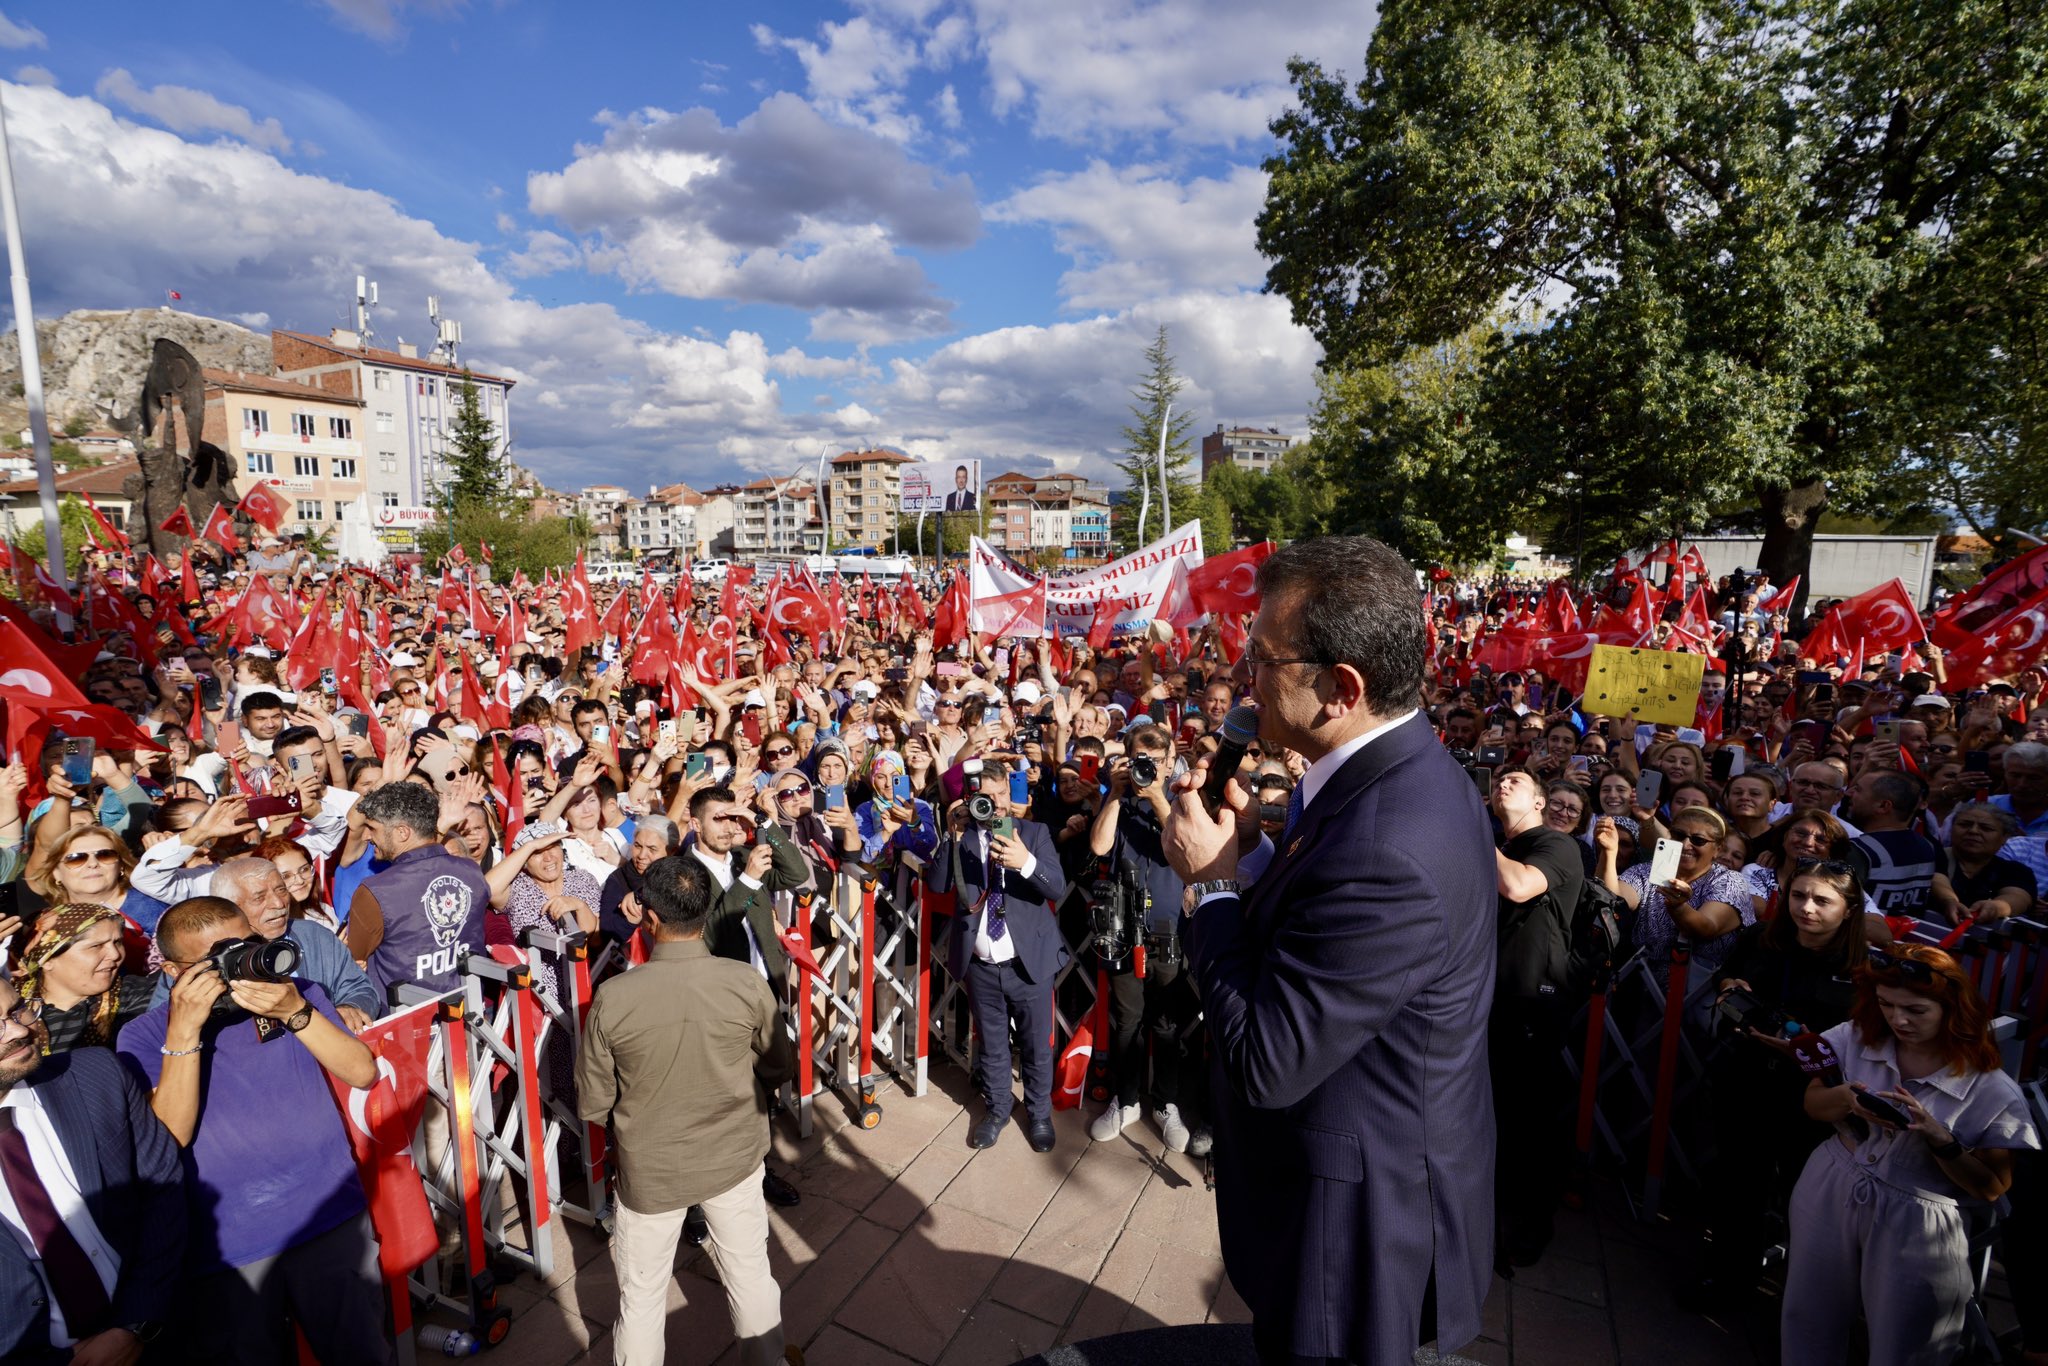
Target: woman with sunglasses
[(1882, 1214), (89, 865), (1705, 903), (1796, 966), (72, 967)]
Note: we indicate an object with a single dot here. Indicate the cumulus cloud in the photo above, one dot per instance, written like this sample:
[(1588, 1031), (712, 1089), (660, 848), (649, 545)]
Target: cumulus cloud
[(13, 35), (185, 110), (783, 207), (1136, 233), (35, 75)]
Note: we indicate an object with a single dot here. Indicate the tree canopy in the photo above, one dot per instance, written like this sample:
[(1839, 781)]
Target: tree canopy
[(1780, 251)]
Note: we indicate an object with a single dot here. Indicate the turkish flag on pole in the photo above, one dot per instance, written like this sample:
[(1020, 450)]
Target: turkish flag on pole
[(579, 617), (1883, 617), (114, 538), (30, 676), (262, 505), (179, 523), (1228, 583), (220, 529)]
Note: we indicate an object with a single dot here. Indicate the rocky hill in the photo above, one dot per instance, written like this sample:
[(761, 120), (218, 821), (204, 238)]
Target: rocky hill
[(94, 359)]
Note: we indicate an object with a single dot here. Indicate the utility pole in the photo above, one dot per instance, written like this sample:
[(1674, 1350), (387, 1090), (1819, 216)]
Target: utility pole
[(31, 369)]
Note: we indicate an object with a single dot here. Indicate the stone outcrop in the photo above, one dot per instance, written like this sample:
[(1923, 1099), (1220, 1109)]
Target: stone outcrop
[(94, 359)]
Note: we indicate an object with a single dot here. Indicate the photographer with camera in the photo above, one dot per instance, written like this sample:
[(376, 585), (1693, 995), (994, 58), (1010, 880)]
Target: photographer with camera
[(1786, 976), (1136, 908), (1005, 944), (278, 1216)]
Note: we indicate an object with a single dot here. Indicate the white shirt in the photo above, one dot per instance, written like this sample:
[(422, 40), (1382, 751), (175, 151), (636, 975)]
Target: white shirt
[(1253, 866), (986, 949), (53, 1167), (721, 873)]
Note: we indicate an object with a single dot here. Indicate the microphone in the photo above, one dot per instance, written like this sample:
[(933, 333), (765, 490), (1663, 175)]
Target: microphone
[(1239, 729)]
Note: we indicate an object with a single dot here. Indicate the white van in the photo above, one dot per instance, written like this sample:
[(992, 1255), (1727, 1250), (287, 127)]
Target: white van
[(709, 571)]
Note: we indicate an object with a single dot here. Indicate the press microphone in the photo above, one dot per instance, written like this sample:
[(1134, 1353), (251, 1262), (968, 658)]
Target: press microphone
[(1236, 735)]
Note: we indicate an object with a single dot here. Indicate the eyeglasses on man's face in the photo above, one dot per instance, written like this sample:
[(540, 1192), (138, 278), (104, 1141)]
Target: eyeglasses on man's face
[(1256, 658), (24, 1013)]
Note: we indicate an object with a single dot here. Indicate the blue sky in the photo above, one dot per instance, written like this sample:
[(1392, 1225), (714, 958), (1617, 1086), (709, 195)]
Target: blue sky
[(708, 241)]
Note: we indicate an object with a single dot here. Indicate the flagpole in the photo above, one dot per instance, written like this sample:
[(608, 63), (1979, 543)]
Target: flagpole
[(32, 371), (1165, 493)]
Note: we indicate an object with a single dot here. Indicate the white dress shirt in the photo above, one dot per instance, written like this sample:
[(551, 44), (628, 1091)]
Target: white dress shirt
[(721, 873), (53, 1167), (986, 949)]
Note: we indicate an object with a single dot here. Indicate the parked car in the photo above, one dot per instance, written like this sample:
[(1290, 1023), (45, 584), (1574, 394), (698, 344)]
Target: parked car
[(711, 570)]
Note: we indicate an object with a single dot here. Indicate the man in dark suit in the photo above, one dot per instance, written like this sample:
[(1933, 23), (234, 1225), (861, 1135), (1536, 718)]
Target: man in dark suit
[(1347, 990), (741, 924), (961, 499), (92, 1202), (1006, 946)]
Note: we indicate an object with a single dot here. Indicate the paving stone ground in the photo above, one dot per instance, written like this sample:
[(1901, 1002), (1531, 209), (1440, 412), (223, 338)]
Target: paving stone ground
[(910, 1247)]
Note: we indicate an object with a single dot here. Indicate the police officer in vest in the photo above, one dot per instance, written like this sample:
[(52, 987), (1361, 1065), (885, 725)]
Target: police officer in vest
[(414, 921), (1151, 998)]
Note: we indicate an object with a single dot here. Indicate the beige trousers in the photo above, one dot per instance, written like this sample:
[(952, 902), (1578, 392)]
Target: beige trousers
[(644, 1260)]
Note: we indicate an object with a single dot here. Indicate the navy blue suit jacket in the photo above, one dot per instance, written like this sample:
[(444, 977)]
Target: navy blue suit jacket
[(1028, 903), (1347, 995), (127, 1167)]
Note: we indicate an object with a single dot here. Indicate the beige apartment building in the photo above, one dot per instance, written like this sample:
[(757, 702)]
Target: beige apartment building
[(865, 491), (304, 442)]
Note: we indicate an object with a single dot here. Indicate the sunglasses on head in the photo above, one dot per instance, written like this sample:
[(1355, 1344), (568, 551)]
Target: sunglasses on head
[(1912, 969)]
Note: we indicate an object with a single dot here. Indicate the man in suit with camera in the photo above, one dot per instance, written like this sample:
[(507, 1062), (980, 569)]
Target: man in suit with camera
[(1005, 945), (1347, 990), (92, 1202)]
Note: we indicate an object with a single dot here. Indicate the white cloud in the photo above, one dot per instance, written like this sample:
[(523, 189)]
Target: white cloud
[(256, 321), (36, 75), (13, 35), (381, 19), (1135, 233), (185, 110), (782, 208), (546, 253), (946, 104)]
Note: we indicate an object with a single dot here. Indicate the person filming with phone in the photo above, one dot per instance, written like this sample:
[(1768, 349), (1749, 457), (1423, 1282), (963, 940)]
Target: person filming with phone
[(1926, 1124), (1682, 891)]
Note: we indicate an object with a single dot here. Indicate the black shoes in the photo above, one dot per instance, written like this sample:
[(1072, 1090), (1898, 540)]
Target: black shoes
[(1040, 1134), (985, 1132), (695, 1230), (779, 1191)]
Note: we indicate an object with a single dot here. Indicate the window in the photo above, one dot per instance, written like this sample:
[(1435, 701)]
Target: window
[(380, 380), (425, 387), (341, 428), (387, 462), (260, 463), (255, 421), (302, 424), (384, 423), (339, 504), (306, 466), (389, 500), (309, 510), (344, 468)]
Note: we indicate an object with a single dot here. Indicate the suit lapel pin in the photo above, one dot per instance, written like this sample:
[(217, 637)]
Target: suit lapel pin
[(1294, 846)]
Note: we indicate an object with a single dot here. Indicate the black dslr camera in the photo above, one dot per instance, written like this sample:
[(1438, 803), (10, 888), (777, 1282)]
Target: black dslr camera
[(253, 959), (981, 809), (1144, 771)]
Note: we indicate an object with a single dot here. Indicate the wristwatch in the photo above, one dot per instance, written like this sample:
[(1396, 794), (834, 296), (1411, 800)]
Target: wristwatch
[(146, 1331), (299, 1019), (1221, 884), (1951, 1149)]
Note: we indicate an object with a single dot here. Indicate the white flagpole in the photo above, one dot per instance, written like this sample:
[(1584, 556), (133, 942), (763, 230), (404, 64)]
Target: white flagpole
[(31, 367), (1165, 494)]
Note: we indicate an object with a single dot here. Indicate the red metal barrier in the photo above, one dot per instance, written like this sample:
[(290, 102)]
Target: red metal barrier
[(1589, 1069), (1667, 1073)]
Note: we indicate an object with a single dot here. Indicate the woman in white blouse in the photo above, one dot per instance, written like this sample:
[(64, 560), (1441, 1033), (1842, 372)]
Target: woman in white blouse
[(1926, 1124)]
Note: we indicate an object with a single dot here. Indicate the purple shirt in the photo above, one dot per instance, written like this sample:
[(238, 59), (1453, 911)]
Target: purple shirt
[(270, 1165)]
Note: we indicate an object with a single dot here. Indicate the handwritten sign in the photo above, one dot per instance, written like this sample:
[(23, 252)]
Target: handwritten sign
[(1659, 686)]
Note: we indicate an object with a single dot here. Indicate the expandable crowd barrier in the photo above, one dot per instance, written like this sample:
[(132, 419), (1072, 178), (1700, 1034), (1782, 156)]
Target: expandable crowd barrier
[(500, 1151)]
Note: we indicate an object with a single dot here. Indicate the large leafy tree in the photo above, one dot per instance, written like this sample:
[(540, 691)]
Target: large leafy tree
[(1738, 216)]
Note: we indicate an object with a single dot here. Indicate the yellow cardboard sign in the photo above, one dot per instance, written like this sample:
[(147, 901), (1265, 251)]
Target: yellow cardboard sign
[(1659, 686)]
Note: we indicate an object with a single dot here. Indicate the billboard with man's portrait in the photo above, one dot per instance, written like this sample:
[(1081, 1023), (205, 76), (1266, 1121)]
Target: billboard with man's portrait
[(942, 486)]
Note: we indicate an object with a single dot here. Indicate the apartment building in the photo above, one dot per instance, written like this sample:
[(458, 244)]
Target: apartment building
[(777, 517), (409, 404), (302, 441), (865, 493), (665, 522), (1062, 512), (1254, 449)]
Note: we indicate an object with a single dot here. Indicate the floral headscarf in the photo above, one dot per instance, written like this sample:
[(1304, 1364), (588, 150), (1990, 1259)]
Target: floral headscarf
[(57, 929)]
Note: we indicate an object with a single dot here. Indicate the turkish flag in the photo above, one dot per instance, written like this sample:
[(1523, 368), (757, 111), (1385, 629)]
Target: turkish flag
[(613, 624), (1070, 1077), (579, 616), (1229, 583), (179, 523), (220, 529), (1883, 618), (29, 676), (1967, 618), (111, 534), (262, 505), (109, 727), (1103, 628), (380, 1121)]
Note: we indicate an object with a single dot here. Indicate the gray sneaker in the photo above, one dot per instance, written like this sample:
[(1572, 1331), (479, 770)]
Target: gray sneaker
[(1172, 1129), (1201, 1141), (1113, 1121)]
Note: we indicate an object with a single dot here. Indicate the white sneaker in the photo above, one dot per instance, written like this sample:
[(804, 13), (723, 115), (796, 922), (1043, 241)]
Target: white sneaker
[(1113, 1121), (1172, 1129), (1201, 1143)]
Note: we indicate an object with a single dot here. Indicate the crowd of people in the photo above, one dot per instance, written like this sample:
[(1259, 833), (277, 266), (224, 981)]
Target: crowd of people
[(359, 779)]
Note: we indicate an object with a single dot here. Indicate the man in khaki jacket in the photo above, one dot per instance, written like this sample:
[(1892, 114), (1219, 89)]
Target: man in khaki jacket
[(678, 1057)]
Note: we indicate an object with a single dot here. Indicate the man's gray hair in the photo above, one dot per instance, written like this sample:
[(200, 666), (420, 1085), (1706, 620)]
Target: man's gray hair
[(2030, 753), (405, 803), (661, 825), (238, 876), (1352, 600)]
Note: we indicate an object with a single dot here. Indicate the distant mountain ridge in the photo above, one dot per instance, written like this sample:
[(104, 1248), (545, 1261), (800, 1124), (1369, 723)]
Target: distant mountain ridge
[(94, 360)]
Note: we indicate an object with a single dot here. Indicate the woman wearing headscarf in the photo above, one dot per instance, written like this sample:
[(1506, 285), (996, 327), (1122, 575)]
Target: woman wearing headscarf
[(73, 966), (888, 823)]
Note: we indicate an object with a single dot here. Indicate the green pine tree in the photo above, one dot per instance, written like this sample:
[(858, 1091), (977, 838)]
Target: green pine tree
[(1140, 459), (476, 474)]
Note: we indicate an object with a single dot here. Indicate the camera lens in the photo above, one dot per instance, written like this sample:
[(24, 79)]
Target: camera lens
[(981, 809)]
